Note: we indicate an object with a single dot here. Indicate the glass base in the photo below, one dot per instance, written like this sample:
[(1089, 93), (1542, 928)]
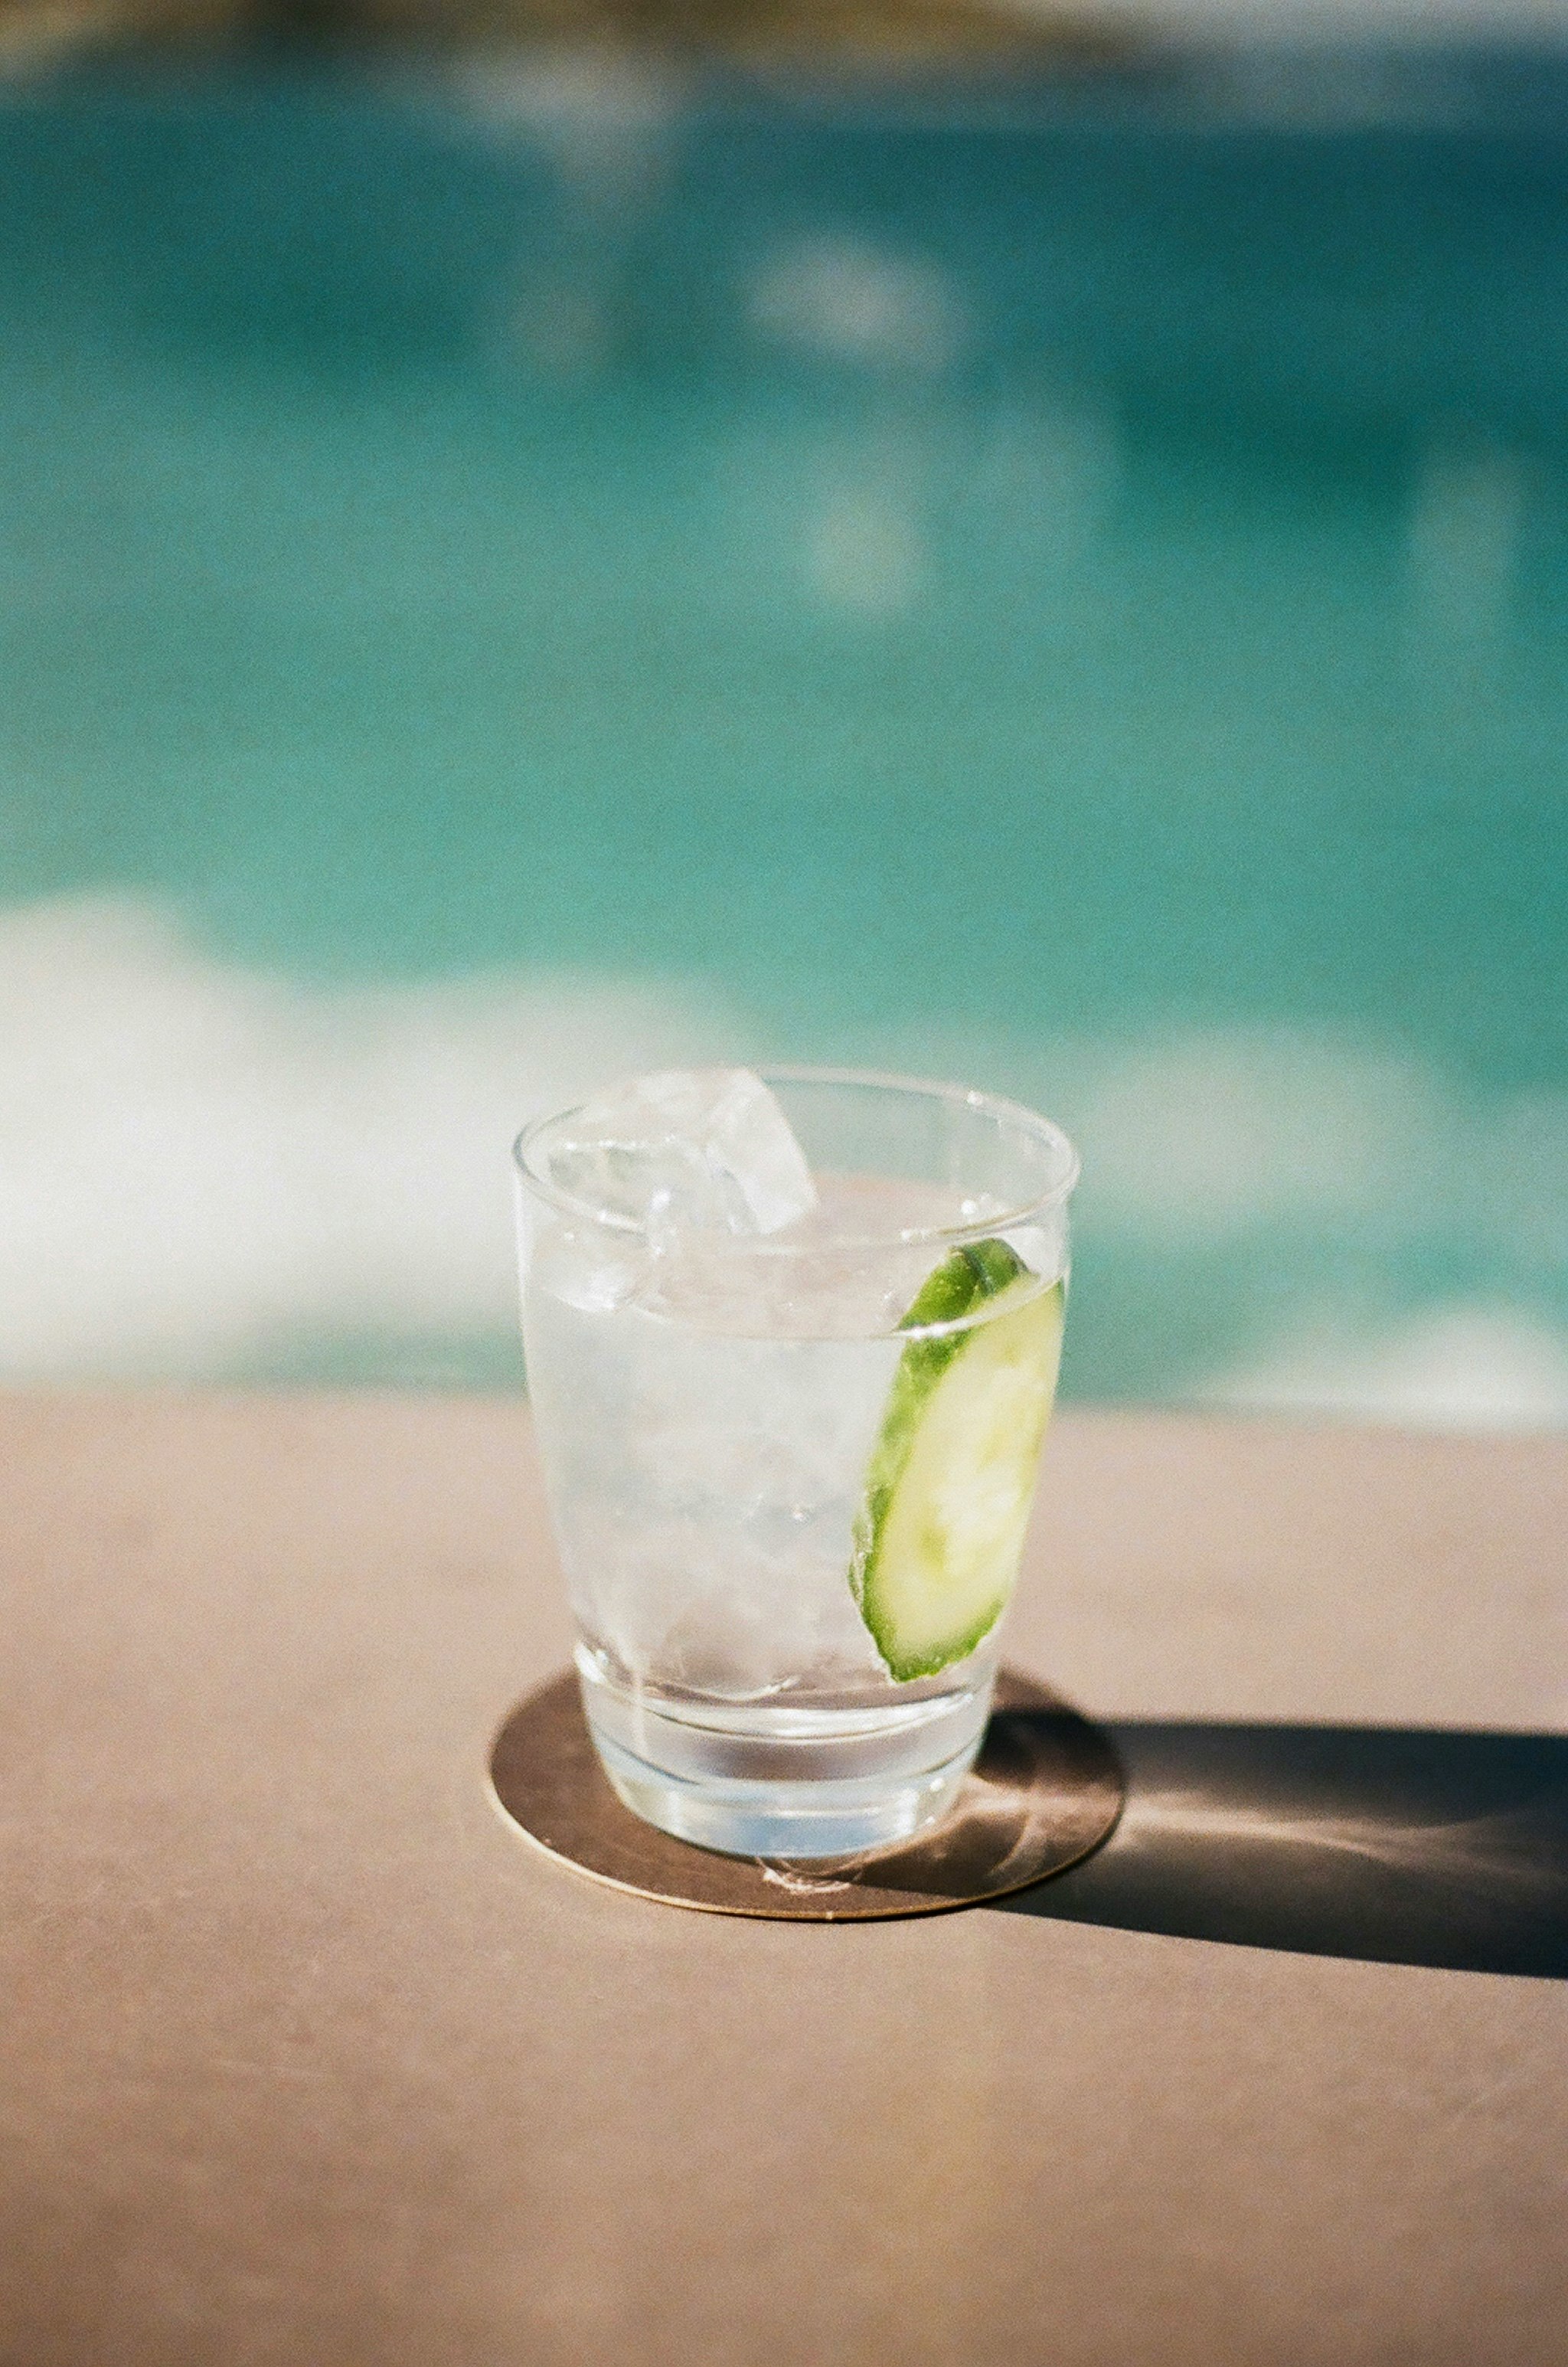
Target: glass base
[(809, 1783), (795, 1820)]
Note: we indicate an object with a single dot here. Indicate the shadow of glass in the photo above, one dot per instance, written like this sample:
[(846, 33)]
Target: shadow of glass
[(1394, 1847)]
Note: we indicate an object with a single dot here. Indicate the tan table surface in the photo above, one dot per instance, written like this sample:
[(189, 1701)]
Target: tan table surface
[(306, 2058)]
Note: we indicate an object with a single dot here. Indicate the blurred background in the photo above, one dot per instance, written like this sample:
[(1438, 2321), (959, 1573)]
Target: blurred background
[(543, 537)]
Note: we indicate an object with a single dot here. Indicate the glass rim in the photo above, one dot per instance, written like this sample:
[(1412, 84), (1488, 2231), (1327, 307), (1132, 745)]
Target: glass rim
[(996, 1106)]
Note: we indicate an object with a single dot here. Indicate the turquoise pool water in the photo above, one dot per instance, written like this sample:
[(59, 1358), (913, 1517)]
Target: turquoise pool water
[(513, 571)]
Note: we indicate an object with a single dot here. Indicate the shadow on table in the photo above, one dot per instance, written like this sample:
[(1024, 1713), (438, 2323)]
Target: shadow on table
[(1396, 1847)]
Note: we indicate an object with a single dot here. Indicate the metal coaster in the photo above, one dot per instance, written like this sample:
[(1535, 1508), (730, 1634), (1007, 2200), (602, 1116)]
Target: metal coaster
[(1045, 1790)]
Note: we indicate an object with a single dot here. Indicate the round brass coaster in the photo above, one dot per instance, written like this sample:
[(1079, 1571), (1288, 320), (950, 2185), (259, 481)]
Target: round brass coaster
[(1045, 1790)]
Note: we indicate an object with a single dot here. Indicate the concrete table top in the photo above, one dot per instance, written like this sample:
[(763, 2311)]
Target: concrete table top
[(306, 2058)]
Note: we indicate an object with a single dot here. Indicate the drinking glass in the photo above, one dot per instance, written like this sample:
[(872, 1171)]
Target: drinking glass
[(789, 1473)]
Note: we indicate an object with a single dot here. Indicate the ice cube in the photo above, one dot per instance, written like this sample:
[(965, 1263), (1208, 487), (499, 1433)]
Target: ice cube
[(590, 1269), (687, 1150)]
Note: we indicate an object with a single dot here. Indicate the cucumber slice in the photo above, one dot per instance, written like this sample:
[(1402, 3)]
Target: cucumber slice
[(938, 1538)]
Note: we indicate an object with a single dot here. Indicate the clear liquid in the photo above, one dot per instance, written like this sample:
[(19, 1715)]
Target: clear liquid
[(705, 1476)]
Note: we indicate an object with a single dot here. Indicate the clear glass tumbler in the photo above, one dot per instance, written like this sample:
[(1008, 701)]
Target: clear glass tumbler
[(789, 1474)]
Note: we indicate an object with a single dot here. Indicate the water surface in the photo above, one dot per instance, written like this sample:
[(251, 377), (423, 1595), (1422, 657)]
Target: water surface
[(512, 571)]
